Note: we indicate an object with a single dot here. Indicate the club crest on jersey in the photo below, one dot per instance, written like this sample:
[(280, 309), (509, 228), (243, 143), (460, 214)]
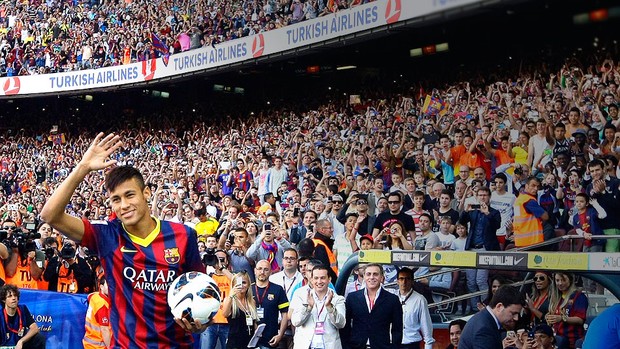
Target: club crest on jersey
[(171, 255)]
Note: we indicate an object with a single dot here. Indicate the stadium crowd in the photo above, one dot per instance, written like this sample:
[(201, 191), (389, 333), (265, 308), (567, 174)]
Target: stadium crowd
[(39, 37), (484, 165)]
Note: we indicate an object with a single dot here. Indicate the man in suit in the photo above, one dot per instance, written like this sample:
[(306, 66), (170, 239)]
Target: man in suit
[(373, 315), (483, 331), (318, 314), (484, 221)]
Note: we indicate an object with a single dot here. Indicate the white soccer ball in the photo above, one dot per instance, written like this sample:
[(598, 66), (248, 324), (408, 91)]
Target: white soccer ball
[(194, 296)]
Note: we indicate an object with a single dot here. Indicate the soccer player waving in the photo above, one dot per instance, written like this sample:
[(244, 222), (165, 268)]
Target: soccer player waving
[(141, 255)]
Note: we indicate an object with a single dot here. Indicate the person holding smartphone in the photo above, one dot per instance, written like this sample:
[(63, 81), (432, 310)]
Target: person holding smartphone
[(239, 308), (270, 246), (484, 222)]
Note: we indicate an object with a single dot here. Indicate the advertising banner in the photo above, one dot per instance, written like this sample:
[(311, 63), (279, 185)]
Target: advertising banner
[(357, 19)]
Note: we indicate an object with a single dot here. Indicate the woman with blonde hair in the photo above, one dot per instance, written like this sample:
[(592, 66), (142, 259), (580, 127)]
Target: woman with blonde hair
[(568, 307), (240, 310)]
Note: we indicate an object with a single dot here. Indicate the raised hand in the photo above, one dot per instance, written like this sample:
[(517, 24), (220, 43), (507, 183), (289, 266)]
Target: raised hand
[(97, 155)]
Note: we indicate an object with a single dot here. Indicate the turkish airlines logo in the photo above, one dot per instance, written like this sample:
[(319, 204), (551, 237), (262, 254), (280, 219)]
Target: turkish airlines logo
[(258, 46), (11, 86), (148, 69), (392, 11)]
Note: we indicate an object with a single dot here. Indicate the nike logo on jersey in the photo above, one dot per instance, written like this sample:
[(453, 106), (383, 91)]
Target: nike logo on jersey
[(126, 250)]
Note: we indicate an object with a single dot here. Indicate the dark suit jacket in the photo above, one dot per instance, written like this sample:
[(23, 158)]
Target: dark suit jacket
[(362, 325), (481, 332), (491, 223)]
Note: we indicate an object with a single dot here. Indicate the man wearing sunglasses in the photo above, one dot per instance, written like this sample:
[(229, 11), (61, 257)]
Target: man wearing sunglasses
[(393, 214), (365, 222)]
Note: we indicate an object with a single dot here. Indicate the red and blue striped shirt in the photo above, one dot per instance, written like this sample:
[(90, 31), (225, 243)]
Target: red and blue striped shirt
[(138, 272)]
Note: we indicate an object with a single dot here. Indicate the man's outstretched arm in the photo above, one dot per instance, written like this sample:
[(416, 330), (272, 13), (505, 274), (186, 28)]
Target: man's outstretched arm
[(95, 158)]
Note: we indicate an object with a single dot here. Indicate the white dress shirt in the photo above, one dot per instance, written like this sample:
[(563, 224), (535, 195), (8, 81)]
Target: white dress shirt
[(417, 323)]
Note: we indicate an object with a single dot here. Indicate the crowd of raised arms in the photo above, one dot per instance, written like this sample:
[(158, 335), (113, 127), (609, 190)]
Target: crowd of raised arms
[(486, 165), (39, 37)]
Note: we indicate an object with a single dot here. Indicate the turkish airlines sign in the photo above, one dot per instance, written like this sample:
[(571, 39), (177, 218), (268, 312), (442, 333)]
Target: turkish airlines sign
[(357, 19)]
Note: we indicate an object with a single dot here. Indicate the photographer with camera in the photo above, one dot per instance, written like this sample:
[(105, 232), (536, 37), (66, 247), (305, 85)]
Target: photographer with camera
[(68, 272), (219, 261), (25, 266), (8, 226)]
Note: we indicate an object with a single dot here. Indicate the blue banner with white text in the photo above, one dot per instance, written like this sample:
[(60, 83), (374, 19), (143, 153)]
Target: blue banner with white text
[(60, 316)]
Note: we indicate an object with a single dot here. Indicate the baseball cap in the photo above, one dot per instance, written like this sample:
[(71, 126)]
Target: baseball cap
[(579, 131), (367, 237)]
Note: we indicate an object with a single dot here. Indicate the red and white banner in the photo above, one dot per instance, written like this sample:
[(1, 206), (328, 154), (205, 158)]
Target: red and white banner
[(357, 19)]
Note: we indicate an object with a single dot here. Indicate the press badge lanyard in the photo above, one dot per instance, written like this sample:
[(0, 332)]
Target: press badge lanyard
[(20, 330), (319, 326), (261, 311), (249, 322), (403, 302), (261, 298), (290, 285)]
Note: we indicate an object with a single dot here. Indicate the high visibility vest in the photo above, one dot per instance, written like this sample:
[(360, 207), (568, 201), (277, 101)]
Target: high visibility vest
[(66, 280), (42, 284), (333, 262), (2, 273), (22, 277), (92, 337), (528, 229)]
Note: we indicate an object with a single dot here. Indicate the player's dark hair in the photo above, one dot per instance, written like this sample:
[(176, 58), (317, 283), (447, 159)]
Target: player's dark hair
[(122, 174)]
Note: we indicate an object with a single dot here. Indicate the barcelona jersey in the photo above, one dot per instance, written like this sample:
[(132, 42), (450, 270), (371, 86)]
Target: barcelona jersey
[(138, 272)]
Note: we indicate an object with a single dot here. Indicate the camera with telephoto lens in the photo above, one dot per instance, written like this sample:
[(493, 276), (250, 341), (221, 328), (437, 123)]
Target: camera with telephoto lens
[(67, 252), (49, 252), (209, 258), (24, 241)]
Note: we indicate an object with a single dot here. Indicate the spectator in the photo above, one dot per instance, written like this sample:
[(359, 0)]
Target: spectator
[(241, 313), (537, 303), (18, 317), (567, 310), (395, 213), (483, 222), (608, 200), (269, 246), (455, 328)]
